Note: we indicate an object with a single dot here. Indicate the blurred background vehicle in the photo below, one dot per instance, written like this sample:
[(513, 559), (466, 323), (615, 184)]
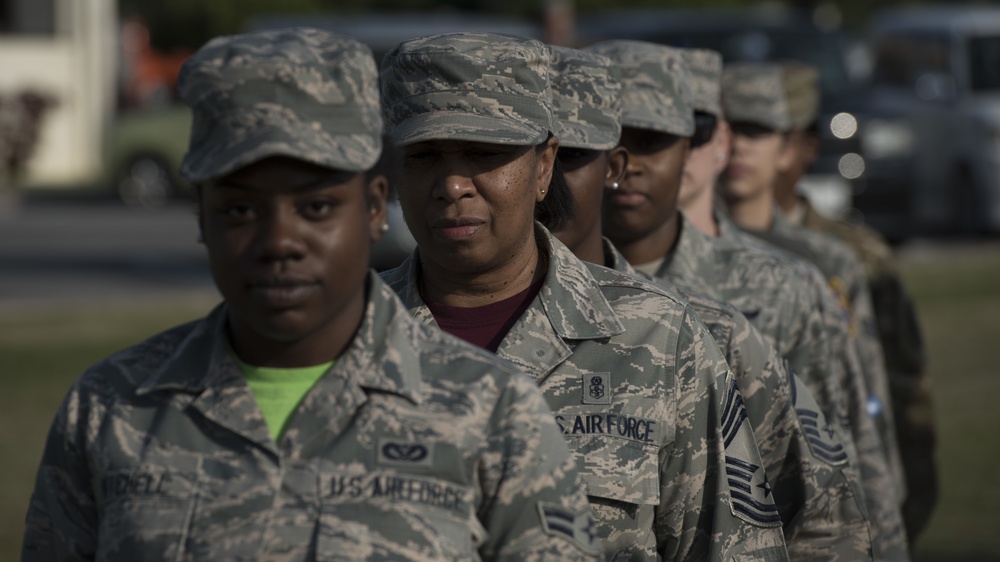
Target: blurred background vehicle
[(773, 33), (937, 81)]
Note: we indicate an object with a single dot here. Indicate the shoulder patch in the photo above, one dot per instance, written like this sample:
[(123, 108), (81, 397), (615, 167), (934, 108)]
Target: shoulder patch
[(824, 442), (578, 528), (749, 491)]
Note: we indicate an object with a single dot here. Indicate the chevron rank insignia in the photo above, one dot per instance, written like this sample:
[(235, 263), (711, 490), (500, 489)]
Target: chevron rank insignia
[(578, 528), (824, 441), (596, 388), (749, 492)]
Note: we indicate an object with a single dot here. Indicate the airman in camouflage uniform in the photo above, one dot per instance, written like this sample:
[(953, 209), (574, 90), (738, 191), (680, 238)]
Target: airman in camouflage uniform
[(810, 480), (747, 99), (756, 282), (638, 386), (753, 95), (895, 315), (414, 445)]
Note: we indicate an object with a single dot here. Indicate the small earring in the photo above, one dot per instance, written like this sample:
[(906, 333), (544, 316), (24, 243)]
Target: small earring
[(543, 192), (614, 185), (385, 227)]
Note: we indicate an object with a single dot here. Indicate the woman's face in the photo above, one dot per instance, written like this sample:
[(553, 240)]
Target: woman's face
[(470, 205), (757, 155), (647, 197), (588, 174), (288, 244)]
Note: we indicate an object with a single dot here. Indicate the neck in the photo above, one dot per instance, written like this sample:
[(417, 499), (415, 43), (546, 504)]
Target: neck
[(654, 245), (787, 198), (590, 248), (754, 213), (323, 345), (473, 289), (700, 213)]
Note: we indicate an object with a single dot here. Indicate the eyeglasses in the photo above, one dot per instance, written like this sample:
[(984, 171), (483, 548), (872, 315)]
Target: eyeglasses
[(704, 128)]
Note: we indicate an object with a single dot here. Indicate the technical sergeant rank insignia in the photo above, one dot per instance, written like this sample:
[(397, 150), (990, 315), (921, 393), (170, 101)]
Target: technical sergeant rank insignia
[(596, 388)]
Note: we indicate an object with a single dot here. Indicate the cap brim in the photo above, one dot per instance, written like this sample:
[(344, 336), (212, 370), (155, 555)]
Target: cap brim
[(461, 126), (214, 158)]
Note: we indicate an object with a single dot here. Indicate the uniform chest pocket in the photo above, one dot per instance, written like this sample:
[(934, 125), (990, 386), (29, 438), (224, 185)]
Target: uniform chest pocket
[(146, 514), (395, 515), (622, 472)]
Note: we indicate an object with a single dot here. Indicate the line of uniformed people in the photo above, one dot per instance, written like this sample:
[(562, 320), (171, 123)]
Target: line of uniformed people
[(641, 383)]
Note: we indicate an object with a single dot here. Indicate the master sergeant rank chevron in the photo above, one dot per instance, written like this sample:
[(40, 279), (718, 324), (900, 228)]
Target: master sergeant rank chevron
[(749, 491)]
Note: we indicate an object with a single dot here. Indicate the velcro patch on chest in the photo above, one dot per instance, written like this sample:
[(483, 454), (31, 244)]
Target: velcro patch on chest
[(395, 452), (596, 388), (749, 491), (578, 528)]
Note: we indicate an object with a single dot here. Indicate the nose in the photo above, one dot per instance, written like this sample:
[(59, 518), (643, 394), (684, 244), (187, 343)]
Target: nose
[(632, 168), (279, 235), (455, 181)]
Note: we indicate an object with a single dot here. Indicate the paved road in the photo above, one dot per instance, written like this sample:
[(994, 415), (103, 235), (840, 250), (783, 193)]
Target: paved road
[(53, 252)]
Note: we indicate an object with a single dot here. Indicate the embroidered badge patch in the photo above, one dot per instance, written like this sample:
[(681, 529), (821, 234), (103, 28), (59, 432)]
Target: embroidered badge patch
[(596, 388), (578, 528), (393, 452), (824, 442), (749, 492)]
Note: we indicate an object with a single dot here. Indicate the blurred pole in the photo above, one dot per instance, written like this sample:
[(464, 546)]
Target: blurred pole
[(559, 23)]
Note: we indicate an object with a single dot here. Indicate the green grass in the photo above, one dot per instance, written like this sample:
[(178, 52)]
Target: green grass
[(41, 352), (959, 307)]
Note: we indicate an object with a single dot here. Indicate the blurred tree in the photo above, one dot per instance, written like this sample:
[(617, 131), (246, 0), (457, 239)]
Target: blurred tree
[(189, 23)]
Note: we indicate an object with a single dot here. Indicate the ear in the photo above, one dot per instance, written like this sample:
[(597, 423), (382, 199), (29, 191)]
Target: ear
[(617, 164), (546, 166), (786, 154), (722, 146), (377, 192), (810, 148)]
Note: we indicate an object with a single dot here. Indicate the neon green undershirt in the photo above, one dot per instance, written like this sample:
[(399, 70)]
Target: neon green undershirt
[(279, 391)]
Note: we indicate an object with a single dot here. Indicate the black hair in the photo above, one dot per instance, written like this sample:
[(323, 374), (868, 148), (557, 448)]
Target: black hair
[(813, 128), (559, 207)]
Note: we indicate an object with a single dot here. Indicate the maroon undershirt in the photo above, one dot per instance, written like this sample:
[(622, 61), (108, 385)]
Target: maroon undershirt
[(485, 326)]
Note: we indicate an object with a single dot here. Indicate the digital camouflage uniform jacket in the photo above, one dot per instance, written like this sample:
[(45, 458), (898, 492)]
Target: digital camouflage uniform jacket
[(881, 497), (817, 492), (845, 276), (905, 360), (791, 306), (414, 446), (640, 390)]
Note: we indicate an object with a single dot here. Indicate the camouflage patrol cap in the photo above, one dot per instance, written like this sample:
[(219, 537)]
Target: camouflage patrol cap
[(586, 99), (801, 92), (479, 87), (655, 85), (301, 93), (753, 92), (706, 76)]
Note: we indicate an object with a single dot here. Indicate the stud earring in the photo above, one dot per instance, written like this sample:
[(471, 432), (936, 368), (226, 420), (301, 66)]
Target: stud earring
[(385, 227), (543, 192), (614, 185)]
